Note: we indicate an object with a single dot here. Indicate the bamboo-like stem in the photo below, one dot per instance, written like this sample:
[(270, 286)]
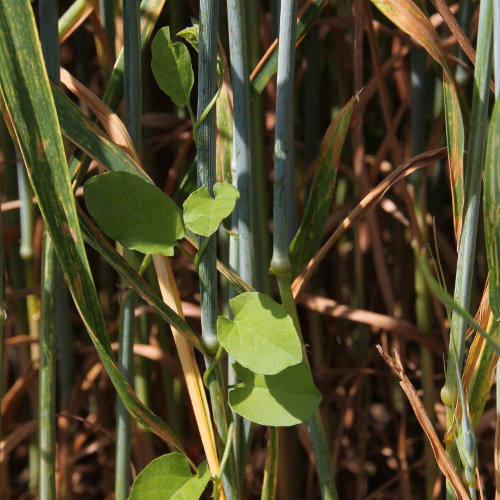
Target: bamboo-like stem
[(207, 84), (123, 419), (280, 263), (132, 115), (47, 384), (47, 394), (241, 165), (205, 140), (472, 199), (242, 128)]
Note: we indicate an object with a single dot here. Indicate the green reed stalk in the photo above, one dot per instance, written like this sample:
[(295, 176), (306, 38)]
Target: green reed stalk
[(47, 372), (207, 84), (242, 160), (283, 171), (206, 136), (241, 165), (132, 119), (49, 39), (472, 199)]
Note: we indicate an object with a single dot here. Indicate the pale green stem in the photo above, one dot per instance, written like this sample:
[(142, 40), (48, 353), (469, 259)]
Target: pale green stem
[(205, 135), (132, 117), (49, 39), (241, 165), (47, 379), (472, 198), (283, 171)]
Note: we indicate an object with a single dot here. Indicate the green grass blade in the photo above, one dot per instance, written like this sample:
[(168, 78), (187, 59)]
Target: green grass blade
[(449, 302), (491, 204), (28, 100), (47, 368), (73, 16), (308, 238), (113, 95), (480, 369), (89, 138), (132, 118)]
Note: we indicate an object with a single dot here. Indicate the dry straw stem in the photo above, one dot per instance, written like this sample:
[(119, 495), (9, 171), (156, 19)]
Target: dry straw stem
[(442, 459), (367, 203), (194, 381)]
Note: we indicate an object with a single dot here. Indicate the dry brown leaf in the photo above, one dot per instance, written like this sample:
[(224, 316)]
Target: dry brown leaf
[(366, 204), (328, 306), (452, 24), (13, 396), (442, 458), (16, 437), (109, 120)]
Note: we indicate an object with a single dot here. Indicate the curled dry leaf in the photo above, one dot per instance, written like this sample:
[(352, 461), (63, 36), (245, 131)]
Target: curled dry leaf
[(397, 326), (418, 408), (109, 120), (363, 207)]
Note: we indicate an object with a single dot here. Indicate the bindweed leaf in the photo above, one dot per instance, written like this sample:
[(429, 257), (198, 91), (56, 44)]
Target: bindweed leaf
[(261, 337), (287, 398), (192, 35), (136, 213), (169, 478), (203, 214), (171, 65)]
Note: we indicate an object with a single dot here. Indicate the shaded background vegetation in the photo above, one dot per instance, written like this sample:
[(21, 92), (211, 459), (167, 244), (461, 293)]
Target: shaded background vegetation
[(364, 293)]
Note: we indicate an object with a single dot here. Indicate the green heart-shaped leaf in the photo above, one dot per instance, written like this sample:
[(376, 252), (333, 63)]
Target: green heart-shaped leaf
[(136, 213), (192, 35), (169, 477), (171, 65), (261, 337), (203, 214), (287, 398)]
